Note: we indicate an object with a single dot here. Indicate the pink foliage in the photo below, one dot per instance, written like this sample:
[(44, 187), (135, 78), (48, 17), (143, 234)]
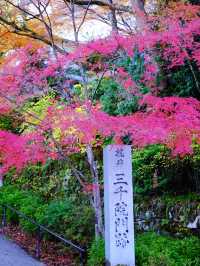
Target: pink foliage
[(166, 120), (22, 77), (172, 121), (18, 151)]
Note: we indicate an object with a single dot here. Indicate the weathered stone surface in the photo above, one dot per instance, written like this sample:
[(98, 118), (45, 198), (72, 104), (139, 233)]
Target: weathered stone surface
[(171, 214)]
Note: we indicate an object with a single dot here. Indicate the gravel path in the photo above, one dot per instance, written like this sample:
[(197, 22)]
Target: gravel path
[(12, 255)]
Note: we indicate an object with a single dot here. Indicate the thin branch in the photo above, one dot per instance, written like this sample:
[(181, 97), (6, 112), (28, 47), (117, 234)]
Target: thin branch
[(194, 75), (24, 31), (84, 16), (102, 4), (24, 10)]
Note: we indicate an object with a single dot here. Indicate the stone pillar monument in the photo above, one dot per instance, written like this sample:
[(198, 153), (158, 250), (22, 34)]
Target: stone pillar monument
[(118, 206)]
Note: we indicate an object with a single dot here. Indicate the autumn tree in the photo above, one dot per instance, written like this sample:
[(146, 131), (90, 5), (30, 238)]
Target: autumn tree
[(73, 120)]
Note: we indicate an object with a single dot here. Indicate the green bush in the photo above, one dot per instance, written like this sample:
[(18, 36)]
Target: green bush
[(12, 196), (96, 253), (66, 217), (74, 222), (23, 201), (147, 161), (114, 100), (155, 250), (174, 174), (29, 206), (44, 180)]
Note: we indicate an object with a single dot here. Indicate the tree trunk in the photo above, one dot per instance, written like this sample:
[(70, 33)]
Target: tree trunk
[(113, 18), (140, 14), (99, 228), (142, 26)]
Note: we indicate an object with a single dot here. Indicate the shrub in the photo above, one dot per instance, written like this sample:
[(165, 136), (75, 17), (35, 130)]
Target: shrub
[(23, 201), (74, 222), (66, 217), (114, 100), (44, 180), (96, 252), (12, 196), (155, 250), (29, 206), (147, 161), (173, 173)]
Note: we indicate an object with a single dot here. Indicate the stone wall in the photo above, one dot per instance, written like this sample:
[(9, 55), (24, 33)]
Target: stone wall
[(176, 215)]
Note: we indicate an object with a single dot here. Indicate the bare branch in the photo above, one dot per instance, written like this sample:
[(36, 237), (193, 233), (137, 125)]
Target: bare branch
[(102, 4), (24, 10), (84, 16), (24, 31)]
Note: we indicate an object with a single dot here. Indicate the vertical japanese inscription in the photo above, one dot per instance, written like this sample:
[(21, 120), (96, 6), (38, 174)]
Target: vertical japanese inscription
[(120, 186), (118, 195)]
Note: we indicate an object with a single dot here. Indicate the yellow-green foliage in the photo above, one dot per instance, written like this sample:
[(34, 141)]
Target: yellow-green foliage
[(34, 112)]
